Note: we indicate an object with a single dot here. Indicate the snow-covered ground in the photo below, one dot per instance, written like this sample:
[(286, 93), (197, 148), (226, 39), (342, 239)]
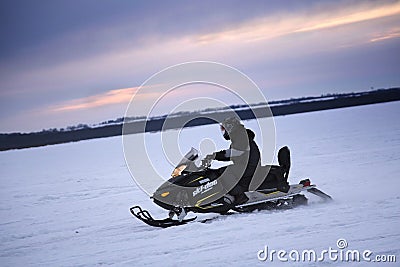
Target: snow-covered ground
[(68, 205)]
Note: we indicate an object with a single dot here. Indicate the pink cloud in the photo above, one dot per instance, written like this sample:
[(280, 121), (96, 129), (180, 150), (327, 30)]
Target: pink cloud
[(116, 96), (386, 36), (285, 24), (112, 97)]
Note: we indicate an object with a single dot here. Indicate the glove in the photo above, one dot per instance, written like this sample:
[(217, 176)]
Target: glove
[(206, 162)]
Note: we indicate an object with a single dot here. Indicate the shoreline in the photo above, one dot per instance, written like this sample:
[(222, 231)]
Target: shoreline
[(288, 107)]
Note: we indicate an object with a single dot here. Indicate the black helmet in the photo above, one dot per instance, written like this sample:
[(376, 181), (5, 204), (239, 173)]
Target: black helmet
[(228, 125)]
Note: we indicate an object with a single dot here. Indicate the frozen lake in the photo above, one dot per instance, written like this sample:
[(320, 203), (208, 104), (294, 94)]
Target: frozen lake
[(68, 204)]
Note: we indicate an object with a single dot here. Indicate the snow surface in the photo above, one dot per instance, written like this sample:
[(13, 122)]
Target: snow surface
[(68, 204)]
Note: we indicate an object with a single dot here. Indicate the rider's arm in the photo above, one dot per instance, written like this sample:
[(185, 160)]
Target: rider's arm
[(221, 156), (226, 155)]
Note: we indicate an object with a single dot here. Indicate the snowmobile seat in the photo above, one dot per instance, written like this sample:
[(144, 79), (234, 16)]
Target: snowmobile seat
[(274, 176)]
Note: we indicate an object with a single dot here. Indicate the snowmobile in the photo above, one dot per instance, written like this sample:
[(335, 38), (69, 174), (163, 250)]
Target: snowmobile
[(192, 185)]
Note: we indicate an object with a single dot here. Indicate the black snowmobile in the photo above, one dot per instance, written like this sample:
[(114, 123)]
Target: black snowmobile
[(196, 189)]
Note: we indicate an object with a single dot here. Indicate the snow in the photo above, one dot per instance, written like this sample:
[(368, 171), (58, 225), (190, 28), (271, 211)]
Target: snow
[(68, 205)]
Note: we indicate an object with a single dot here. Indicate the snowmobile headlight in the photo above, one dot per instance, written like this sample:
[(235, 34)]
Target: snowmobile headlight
[(165, 194), (178, 170)]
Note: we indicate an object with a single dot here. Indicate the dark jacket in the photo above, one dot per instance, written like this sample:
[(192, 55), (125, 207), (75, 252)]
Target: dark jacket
[(243, 152)]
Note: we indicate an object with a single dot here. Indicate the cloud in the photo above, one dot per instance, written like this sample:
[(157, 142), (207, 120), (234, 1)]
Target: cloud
[(246, 40), (388, 35), (215, 45), (353, 16), (111, 97), (301, 22)]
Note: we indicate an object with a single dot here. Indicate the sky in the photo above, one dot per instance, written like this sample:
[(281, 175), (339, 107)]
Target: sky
[(65, 62)]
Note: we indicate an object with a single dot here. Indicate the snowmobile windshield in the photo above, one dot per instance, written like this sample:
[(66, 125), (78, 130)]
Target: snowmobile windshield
[(187, 160), (178, 170)]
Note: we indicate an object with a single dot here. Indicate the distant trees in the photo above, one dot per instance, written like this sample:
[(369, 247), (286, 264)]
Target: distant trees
[(119, 121)]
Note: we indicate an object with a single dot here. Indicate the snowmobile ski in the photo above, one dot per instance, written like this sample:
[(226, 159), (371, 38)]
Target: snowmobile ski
[(319, 193), (145, 217)]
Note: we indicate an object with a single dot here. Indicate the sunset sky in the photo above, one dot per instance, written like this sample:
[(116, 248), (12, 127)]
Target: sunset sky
[(69, 62)]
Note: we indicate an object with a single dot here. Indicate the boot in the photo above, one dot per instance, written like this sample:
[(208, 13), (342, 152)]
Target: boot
[(240, 199)]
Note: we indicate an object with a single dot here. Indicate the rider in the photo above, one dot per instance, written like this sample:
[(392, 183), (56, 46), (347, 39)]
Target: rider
[(245, 155)]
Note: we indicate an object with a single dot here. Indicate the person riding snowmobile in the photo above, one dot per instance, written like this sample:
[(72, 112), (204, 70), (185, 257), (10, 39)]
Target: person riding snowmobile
[(245, 155)]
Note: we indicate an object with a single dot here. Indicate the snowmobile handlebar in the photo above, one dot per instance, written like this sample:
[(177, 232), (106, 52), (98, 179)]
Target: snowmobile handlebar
[(205, 163)]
